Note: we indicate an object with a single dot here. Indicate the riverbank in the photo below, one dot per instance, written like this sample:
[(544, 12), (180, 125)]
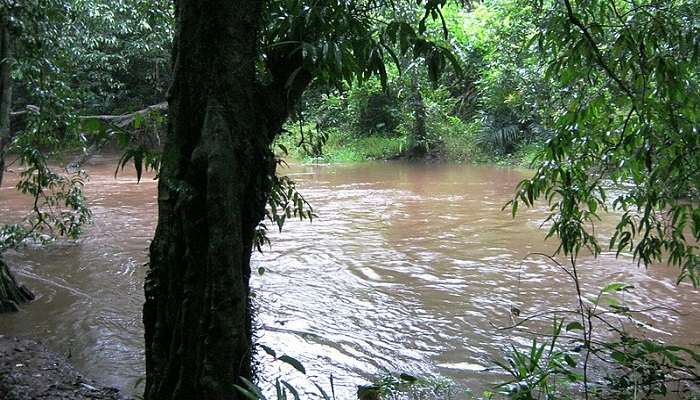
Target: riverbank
[(345, 147), (28, 371)]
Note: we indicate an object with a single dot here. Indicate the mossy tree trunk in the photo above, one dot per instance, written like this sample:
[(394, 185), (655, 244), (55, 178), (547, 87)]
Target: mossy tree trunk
[(215, 177), (5, 88), (11, 293)]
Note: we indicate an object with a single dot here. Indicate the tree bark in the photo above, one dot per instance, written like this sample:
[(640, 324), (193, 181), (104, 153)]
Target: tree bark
[(5, 89), (215, 176)]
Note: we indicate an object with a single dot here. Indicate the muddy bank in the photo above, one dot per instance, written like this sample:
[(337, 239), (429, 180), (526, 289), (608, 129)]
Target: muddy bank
[(28, 370)]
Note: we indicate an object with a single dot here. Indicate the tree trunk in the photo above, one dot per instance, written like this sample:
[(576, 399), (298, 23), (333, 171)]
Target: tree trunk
[(11, 293), (215, 177), (419, 137), (5, 89)]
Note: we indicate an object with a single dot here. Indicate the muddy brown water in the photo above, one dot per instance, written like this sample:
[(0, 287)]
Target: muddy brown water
[(407, 268)]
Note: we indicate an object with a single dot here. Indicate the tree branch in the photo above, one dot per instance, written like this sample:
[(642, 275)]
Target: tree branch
[(598, 55)]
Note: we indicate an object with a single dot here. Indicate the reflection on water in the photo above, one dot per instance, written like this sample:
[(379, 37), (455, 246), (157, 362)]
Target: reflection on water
[(407, 268)]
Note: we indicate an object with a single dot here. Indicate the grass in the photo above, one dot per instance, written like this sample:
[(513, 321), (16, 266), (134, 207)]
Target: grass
[(343, 147), (461, 145)]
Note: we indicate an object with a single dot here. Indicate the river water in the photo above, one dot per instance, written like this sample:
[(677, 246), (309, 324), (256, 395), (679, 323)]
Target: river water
[(407, 268)]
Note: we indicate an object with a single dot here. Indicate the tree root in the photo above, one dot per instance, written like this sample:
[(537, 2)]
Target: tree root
[(12, 294)]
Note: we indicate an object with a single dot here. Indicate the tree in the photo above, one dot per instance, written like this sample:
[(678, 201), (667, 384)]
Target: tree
[(5, 87), (418, 138), (239, 67), (216, 166)]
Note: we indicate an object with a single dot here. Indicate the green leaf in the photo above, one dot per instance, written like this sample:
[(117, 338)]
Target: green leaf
[(138, 121), (616, 287), (574, 326), (291, 388), (592, 205), (138, 164), (570, 361), (245, 392), (268, 350), (619, 356), (91, 125), (294, 363)]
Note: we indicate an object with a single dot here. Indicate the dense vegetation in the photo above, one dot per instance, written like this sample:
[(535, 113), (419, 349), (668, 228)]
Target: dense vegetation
[(489, 109), (600, 97)]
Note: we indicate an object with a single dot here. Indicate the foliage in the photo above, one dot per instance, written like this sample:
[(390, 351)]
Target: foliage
[(91, 54), (346, 43), (598, 331), (405, 386), (460, 144), (492, 84), (389, 386), (58, 206), (511, 93), (122, 52), (339, 145), (283, 202), (534, 373), (283, 390), (140, 139), (612, 86), (379, 114), (629, 121), (71, 56), (41, 59), (624, 140), (340, 126)]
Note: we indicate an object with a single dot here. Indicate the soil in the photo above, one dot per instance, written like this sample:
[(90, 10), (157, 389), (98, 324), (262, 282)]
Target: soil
[(28, 370)]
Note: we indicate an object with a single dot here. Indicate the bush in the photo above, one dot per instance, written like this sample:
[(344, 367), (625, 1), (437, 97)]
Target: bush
[(379, 115)]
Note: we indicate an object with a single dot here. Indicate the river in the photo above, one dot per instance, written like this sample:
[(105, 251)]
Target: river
[(407, 268)]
